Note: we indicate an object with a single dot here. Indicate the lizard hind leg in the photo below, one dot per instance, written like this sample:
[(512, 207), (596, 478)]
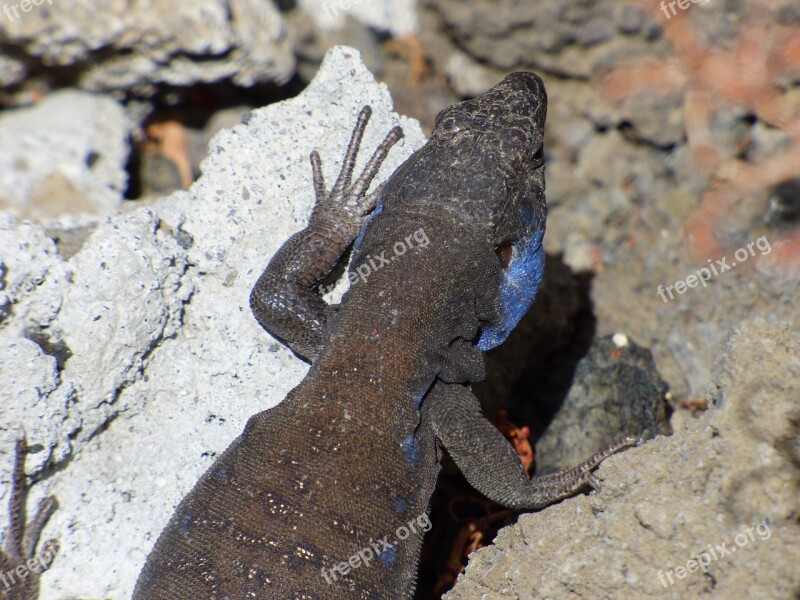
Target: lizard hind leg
[(566, 483), (488, 460)]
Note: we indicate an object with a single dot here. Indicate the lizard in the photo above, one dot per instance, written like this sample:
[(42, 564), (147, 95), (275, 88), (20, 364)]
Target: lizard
[(324, 496), (20, 565)]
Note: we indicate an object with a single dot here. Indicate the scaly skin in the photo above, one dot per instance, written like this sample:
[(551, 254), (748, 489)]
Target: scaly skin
[(20, 565), (342, 470)]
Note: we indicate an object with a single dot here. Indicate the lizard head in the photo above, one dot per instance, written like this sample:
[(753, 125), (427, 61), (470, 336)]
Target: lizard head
[(493, 149), (484, 164), (496, 143)]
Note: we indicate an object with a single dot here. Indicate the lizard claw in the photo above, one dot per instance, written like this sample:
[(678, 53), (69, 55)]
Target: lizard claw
[(352, 199)]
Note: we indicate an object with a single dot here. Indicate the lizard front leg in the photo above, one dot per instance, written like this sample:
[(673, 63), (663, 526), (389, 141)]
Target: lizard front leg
[(20, 565), (488, 460), (285, 300)]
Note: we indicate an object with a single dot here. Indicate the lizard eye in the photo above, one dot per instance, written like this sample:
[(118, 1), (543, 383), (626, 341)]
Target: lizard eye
[(538, 158), (505, 252)]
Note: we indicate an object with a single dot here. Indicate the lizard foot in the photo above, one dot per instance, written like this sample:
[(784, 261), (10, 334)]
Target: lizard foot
[(352, 198), (20, 565), (555, 486)]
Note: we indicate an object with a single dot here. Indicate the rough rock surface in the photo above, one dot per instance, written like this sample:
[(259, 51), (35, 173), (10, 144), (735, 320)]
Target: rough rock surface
[(616, 391), (66, 155), (710, 512), (136, 361), (398, 17), (126, 46)]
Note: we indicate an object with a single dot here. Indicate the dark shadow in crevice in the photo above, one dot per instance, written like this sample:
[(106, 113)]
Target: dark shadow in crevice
[(528, 376)]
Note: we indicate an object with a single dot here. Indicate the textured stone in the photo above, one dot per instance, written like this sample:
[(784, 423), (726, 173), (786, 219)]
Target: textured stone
[(616, 391), (64, 156), (731, 476), (118, 45)]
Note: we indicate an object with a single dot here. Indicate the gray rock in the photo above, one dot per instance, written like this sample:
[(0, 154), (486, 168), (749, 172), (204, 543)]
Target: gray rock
[(654, 119), (64, 156), (164, 362), (629, 20), (398, 17), (616, 391), (595, 32), (122, 46), (312, 41), (730, 477), (570, 38)]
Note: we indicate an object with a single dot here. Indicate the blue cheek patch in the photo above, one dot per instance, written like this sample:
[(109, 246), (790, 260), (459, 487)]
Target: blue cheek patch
[(522, 280), (527, 214)]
